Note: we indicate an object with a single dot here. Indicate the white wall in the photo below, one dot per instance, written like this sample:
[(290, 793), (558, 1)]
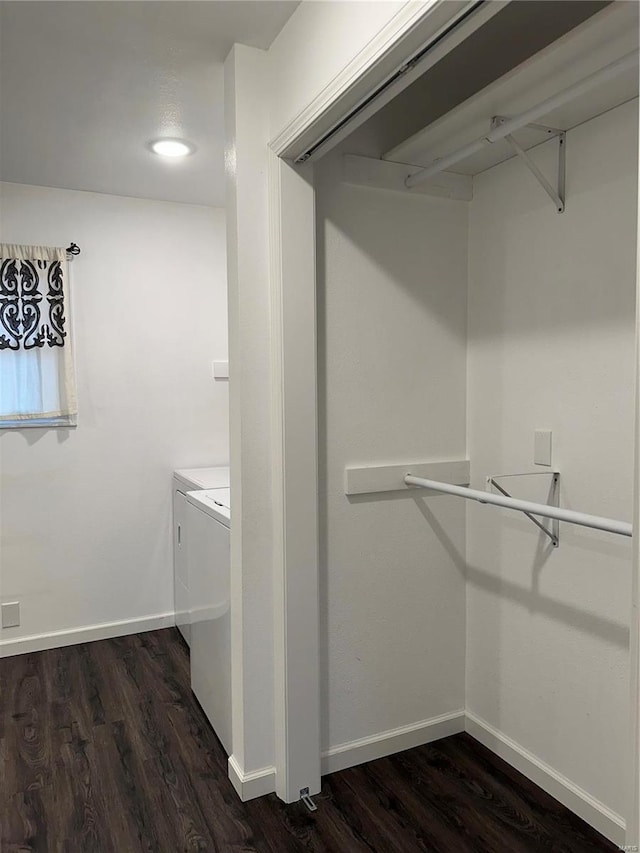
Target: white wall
[(86, 529), (263, 92), (392, 284), (519, 314), (551, 345), (316, 43), (551, 331)]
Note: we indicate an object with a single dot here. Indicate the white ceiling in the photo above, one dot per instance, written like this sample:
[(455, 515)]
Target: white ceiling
[(84, 86)]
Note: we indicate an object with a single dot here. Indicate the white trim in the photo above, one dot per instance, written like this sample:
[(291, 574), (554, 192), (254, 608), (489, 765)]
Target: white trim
[(40, 422), (248, 786), (633, 806), (395, 740), (401, 37), (86, 634), (579, 801), (277, 456), (413, 25), (610, 824), (295, 479), (370, 479), (401, 23)]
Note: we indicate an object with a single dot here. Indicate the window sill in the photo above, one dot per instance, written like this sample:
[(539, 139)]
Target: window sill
[(40, 423)]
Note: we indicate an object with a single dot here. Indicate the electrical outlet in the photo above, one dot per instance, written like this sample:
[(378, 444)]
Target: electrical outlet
[(221, 370), (542, 447), (10, 614)]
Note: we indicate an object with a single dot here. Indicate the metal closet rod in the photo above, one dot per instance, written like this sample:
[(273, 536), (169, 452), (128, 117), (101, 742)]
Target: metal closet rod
[(625, 63), (611, 525)]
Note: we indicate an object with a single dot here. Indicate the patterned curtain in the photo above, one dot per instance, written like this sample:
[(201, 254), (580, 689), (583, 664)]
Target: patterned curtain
[(31, 300), (36, 360)]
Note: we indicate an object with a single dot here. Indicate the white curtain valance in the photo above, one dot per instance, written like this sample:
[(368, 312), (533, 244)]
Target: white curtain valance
[(33, 253)]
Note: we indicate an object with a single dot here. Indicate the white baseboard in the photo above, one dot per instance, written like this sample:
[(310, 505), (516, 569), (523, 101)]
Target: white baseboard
[(386, 743), (595, 813), (86, 634), (251, 785)]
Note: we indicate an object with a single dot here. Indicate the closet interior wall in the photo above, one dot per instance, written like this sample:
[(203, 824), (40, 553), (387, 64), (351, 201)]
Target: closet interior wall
[(392, 311), (551, 346)]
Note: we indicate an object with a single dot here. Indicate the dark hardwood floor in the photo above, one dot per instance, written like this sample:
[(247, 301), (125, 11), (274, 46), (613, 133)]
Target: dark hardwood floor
[(104, 748)]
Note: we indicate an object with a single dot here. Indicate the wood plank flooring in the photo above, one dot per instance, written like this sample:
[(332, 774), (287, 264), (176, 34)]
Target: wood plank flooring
[(105, 750)]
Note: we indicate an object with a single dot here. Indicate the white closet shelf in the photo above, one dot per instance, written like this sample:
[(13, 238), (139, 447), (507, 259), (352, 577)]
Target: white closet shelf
[(391, 478), (382, 175), (599, 42)]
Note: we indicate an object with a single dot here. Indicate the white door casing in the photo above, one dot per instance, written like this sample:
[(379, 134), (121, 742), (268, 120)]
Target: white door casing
[(292, 251), (294, 381), (295, 491)]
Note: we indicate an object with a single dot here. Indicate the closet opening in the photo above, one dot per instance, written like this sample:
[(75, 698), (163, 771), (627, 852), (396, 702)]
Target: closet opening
[(477, 298)]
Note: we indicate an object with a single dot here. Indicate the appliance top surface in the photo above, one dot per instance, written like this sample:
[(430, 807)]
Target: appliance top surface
[(215, 502), (203, 478)]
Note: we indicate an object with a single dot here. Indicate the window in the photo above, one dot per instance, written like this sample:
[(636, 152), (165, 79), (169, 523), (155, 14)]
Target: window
[(37, 383)]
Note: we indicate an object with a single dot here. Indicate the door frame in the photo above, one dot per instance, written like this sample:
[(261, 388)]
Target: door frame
[(294, 394), (294, 380)]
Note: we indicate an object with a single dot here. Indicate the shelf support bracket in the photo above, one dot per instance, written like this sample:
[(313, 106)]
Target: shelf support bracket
[(557, 193), (554, 532)]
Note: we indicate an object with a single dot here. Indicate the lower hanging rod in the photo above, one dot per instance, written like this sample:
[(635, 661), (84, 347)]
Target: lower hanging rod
[(611, 525)]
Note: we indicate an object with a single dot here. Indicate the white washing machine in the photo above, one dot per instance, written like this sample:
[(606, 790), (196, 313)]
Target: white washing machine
[(187, 480), (208, 557)]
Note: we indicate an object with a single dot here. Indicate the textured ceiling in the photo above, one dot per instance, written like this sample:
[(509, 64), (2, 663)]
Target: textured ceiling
[(84, 86)]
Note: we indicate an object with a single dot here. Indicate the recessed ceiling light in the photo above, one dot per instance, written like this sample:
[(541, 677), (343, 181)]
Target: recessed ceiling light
[(172, 147)]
